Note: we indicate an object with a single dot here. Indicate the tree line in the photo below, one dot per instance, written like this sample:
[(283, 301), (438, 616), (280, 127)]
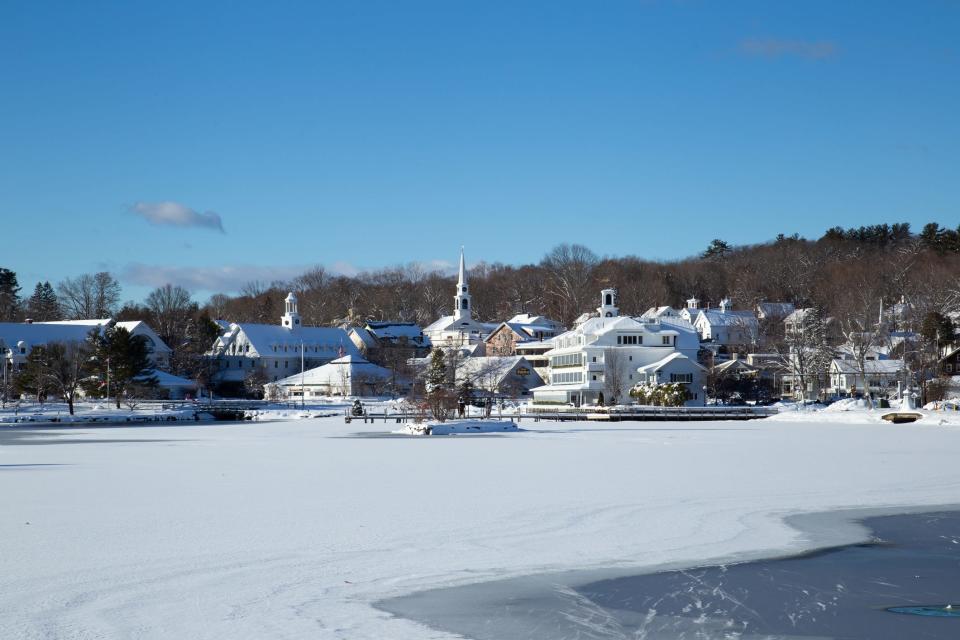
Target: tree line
[(846, 274)]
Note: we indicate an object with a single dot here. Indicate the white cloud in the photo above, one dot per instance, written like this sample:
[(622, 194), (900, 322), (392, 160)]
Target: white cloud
[(777, 47), (176, 215), (225, 279), (231, 278)]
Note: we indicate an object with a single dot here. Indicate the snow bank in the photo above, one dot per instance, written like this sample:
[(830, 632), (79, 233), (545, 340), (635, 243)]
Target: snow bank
[(293, 529), (458, 426)]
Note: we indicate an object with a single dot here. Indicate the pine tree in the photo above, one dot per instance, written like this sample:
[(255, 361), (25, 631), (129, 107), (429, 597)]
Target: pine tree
[(124, 360), (437, 386), (43, 305), (9, 296)]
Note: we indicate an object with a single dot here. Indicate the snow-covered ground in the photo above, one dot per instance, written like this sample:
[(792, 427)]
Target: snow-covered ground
[(291, 529)]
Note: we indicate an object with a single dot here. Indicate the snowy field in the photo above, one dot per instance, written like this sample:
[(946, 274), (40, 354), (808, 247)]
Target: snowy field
[(292, 529)]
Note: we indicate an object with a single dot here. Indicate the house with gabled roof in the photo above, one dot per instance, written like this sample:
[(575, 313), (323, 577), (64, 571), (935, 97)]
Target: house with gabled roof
[(726, 326), (277, 350)]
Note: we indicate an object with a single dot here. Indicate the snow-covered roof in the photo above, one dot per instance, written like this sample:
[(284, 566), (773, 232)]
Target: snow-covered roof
[(334, 371), (93, 322), (775, 309), (660, 364), (525, 332), (168, 380), (364, 337), (264, 337), (529, 345), (659, 312), (717, 318), (874, 367), (491, 371), (37, 333), (467, 325), (532, 320), (734, 365), (140, 328), (396, 330)]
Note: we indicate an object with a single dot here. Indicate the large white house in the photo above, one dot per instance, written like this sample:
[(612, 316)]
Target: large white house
[(460, 328), (277, 349), (608, 350), (725, 326), (17, 339)]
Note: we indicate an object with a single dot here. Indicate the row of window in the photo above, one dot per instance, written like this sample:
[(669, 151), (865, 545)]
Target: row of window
[(566, 377), (632, 339), (253, 363), (567, 360), (681, 377)]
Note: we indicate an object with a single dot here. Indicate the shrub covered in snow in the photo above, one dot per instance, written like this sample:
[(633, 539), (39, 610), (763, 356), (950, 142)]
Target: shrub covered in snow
[(669, 394)]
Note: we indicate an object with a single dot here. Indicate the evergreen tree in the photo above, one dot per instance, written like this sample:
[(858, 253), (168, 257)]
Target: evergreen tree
[(33, 378), (717, 249), (121, 361), (9, 296), (437, 386), (43, 305)]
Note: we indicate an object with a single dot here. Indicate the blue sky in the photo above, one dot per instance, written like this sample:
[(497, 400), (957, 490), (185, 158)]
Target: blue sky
[(365, 134)]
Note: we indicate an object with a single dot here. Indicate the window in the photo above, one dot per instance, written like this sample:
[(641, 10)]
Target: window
[(568, 360), (681, 377), (567, 377), (276, 365), (666, 340)]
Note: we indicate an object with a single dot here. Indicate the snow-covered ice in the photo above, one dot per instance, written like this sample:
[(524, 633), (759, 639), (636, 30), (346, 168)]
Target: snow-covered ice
[(292, 529), (454, 427)]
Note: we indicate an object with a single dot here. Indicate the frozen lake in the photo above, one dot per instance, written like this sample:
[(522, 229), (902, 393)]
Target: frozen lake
[(296, 529), (910, 560)]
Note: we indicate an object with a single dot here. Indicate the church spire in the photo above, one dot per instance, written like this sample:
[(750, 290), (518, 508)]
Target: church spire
[(462, 280), (461, 301)]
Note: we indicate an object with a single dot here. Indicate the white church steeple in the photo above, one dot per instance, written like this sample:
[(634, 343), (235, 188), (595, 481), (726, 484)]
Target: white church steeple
[(461, 301), (291, 317), (608, 304)]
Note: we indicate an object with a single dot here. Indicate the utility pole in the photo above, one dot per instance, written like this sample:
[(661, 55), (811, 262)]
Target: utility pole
[(303, 390)]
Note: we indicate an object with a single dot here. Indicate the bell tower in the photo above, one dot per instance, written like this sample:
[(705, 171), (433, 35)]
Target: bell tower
[(461, 301), (291, 317), (608, 304)]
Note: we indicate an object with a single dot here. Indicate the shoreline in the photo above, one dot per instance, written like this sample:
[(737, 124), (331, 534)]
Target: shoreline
[(819, 532)]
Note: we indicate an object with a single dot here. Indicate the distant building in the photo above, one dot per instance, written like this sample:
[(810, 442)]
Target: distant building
[(582, 360), (376, 337), (18, 339), (460, 328), (522, 328), (727, 327), (275, 350), (774, 311), (509, 376), (347, 376), (882, 375), (655, 313)]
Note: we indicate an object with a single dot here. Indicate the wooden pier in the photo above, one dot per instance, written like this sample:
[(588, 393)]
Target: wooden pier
[(592, 414)]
